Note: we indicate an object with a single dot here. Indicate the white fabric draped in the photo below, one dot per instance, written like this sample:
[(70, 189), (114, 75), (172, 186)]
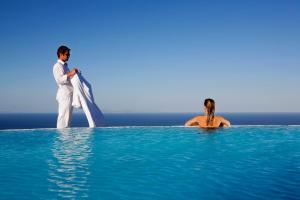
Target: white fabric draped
[(83, 98)]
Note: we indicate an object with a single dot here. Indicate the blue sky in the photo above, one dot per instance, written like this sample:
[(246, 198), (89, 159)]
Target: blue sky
[(154, 55)]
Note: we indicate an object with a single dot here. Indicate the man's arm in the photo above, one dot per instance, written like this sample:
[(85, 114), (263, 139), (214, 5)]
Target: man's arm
[(59, 75), (71, 73)]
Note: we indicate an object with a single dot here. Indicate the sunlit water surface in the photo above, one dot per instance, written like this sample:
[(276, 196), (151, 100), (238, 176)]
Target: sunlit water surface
[(243, 162)]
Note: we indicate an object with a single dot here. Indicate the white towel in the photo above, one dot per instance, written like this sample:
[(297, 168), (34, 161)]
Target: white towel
[(83, 98)]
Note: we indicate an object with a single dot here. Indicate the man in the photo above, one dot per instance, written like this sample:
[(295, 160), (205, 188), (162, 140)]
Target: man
[(62, 76)]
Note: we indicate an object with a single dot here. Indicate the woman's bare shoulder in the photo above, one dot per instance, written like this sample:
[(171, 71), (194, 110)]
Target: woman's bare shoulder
[(221, 119), (195, 121), (200, 117)]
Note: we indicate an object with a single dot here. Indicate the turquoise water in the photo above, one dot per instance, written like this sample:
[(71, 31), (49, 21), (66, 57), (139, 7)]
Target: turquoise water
[(243, 162)]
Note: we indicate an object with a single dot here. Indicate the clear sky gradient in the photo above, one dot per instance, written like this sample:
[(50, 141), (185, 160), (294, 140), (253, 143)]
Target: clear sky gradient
[(154, 55)]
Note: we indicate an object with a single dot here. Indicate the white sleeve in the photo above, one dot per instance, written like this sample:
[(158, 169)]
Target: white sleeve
[(59, 75)]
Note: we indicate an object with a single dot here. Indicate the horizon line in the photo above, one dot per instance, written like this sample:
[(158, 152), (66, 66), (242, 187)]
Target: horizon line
[(239, 112)]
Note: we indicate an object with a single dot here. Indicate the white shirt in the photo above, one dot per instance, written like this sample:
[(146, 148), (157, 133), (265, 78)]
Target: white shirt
[(83, 98), (65, 88)]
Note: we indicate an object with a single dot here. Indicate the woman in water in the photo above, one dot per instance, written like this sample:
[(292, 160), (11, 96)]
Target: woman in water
[(209, 120)]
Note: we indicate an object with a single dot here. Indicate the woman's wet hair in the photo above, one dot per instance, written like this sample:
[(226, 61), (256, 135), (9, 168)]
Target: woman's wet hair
[(210, 107)]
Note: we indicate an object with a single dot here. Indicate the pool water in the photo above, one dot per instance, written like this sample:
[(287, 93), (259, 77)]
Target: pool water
[(243, 162)]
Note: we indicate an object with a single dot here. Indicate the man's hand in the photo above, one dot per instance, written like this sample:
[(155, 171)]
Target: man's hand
[(72, 72)]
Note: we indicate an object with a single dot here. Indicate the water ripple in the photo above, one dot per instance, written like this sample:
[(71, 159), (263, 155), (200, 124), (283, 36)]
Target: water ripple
[(151, 163)]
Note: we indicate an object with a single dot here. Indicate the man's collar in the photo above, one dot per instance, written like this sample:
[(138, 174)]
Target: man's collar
[(60, 61)]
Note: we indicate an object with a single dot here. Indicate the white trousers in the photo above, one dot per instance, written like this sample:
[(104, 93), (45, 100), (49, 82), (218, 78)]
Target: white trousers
[(65, 110)]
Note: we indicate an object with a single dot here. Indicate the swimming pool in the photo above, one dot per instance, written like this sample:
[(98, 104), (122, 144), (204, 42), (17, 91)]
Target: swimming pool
[(243, 162)]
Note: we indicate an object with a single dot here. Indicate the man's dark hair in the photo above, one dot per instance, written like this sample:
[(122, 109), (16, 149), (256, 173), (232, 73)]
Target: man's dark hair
[(62, 50)]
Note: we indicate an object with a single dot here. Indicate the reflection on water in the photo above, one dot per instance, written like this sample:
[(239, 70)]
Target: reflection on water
[(69, 166)]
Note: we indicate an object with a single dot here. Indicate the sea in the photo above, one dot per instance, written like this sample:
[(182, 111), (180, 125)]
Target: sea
[(48, 120)]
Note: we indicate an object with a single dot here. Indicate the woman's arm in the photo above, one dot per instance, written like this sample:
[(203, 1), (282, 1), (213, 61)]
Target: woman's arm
[(225, 122), (192, 122)]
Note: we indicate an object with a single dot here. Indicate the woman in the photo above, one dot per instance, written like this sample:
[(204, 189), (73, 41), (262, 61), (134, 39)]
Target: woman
[(209, 120)]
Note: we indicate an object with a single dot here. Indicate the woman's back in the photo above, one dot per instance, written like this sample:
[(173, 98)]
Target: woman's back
[(201, 121), (209, 120)]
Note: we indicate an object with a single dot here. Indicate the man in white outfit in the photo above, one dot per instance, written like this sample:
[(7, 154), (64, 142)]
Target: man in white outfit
[(62, 76)]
